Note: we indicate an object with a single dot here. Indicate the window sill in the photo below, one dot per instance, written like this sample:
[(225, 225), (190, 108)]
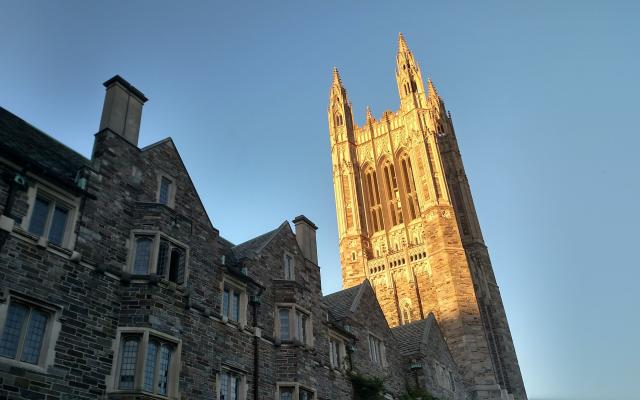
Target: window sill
[(41, 241), (152, 279), (10, 362), (136, 395)]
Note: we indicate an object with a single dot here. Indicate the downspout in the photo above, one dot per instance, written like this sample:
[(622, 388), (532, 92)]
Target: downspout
[(255, 304)]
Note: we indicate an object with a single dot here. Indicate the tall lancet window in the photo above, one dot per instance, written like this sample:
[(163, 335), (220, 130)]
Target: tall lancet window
[(393, 194), (409, 187), (373, 198)]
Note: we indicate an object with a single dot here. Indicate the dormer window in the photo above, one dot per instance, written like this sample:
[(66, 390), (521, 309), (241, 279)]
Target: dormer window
[(166, 191)]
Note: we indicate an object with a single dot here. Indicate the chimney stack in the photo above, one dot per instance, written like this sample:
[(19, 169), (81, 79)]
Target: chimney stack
[(122, 109), (306, 237)]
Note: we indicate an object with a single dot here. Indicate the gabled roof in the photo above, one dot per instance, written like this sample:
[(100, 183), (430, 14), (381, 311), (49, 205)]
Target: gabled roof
[(27, 145), (341, 303), (254, 246), (412, 336)]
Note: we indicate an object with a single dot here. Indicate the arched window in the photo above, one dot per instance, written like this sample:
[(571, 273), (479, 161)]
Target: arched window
[(338, 119), (409, 187), (393, 194), (373, 196)]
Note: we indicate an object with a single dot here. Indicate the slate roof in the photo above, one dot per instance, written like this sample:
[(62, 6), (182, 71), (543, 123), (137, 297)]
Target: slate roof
[(28, 146), (255, 245), (339, 303), (410, 337)]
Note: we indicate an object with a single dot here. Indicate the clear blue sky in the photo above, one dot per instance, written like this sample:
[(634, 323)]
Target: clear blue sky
[(544, 97)]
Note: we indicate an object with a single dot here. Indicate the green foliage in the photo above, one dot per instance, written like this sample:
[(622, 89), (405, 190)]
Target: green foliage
[(365, 388), (418, 394)]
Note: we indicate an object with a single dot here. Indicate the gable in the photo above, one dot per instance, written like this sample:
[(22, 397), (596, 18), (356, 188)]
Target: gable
[(163, 158)]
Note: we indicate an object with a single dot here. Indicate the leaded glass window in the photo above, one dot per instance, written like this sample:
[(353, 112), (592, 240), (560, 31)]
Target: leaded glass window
[(23, 332), (165, 190), (283, 317), (49, 219), (286, 393), (142, 255), (155, 375), (230, 383), (128, 358)]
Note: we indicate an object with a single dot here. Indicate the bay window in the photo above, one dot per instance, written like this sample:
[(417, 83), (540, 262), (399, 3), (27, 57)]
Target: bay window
[(147, 361)]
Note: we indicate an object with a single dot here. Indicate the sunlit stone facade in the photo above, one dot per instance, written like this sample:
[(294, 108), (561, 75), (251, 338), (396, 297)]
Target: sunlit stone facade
[(407, 223)]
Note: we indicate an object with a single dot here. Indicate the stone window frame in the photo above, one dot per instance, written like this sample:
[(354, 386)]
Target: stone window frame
[(294, 309), (406, 311), (156, 237), (141, 358), (342, 361), (51, 334), (382, 353), (55, 196), (292, 275), (296, 390), (171, 200), (237, 287), (242, 389)]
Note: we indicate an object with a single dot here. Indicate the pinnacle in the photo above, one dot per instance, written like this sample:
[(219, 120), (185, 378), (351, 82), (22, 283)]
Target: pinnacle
[(336, 77), (402, 44), (431, 88)]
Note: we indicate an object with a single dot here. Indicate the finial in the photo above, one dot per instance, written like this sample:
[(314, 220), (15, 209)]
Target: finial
[(402, 44), (336, 76), (369, 115)]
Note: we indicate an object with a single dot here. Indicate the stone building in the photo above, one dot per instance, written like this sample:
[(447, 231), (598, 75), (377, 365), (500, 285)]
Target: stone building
[(408, 225), (114, 284)]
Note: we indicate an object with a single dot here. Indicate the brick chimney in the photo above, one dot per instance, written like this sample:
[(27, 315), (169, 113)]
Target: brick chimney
[(122, 109), (306, 237)]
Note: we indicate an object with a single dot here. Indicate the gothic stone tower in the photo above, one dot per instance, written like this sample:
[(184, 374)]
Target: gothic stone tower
[(407, 223)]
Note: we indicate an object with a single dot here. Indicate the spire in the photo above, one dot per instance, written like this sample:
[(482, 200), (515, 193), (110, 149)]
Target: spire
[(433, 92), (336, 77), (402, 44), (370, 117)]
